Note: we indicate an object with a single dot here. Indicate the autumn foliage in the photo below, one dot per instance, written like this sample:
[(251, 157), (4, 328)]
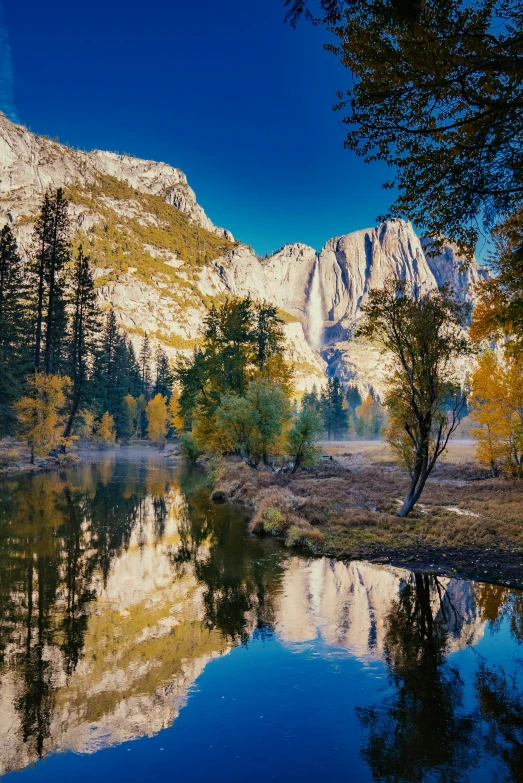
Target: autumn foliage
[(497, 408), (106, 430), (41, 413), (157, 419)]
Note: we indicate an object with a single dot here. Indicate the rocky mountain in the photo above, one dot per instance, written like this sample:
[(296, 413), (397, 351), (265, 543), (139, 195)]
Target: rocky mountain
[(160, 260)]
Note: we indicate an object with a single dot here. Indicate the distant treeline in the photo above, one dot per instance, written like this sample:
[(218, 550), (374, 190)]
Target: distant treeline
[(344, 413)]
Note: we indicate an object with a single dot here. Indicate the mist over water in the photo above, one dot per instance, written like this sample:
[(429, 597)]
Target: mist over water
[(315, 311)]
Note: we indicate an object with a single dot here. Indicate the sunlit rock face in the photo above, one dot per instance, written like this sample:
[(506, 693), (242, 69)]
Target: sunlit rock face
[(30, 164), (325, 307), (451, 269), (350, 606), (351, 265)]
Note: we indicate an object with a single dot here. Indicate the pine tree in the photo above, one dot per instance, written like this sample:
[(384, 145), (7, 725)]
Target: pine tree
[(105, 362), (334, 409), (164, 379), (82, 337), (14, 327), (353, 397), (52, 252), (116, 370), (131, 416), (311, 400), (115, 374), (145, 366)]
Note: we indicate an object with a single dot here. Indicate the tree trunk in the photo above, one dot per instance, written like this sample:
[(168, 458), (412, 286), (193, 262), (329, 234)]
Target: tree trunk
[(50, 321), (39, 315), (72, 415), (416, 488)]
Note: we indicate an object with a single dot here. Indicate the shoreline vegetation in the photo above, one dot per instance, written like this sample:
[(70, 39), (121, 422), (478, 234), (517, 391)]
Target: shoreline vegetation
[(468, 525)]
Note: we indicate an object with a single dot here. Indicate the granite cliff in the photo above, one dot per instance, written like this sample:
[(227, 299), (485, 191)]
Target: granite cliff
[(160, 260)]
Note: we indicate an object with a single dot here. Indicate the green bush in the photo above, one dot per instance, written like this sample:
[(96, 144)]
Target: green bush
[(273, 521), (189, 448)]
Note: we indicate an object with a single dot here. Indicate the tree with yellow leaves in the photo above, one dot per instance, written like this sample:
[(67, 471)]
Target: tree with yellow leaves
[(130, 408), (41, 413), (106, 430), (497, 407), (157, 419), (86, 424), (369, 418), (175, 413)]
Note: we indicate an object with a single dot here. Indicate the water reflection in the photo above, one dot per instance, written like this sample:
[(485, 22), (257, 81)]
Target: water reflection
[(119, 582)]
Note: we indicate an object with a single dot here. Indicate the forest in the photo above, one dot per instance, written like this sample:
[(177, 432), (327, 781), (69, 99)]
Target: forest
[(70, 375)]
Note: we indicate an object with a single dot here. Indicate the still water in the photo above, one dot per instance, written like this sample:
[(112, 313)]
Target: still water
[(144, 636)]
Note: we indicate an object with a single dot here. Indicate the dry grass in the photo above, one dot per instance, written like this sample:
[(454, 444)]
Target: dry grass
[(351, 501)]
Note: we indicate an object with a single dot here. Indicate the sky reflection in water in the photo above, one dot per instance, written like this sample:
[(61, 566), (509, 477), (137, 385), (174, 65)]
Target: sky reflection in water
[(144, 635)]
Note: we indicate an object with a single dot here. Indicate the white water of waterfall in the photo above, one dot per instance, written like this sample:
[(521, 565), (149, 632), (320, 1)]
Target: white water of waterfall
[(314, 311)]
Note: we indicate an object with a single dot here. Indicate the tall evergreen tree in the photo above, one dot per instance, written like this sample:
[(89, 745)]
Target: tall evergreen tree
[(116, 374), (353, 397), (354, 400), (145, 366), (105, 367), (82, 333), (164, 380), (311, 400), (14, 327), (334, 410), (52, 252)]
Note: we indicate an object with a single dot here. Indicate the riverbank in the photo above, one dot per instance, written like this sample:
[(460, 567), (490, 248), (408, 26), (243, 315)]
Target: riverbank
[(467, 525), (15, 456)]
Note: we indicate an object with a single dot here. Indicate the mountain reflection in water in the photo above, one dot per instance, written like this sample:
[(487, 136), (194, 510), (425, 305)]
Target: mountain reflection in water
[(120, 582)]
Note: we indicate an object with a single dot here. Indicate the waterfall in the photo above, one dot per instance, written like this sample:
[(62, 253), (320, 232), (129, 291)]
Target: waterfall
[(314, 310)]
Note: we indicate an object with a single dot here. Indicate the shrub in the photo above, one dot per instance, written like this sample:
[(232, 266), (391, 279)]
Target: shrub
[(273, 521), (306, 431), (190, 448), (9, 457), (301, 533)]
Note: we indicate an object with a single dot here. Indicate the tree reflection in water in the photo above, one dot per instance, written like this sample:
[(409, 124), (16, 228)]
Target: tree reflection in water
[(422, 732), (501, 708), (61, 534), (57, 532), (239, 579), (419, 730), (69, 593)]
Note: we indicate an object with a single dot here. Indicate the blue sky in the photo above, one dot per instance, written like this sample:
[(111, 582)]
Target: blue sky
[(223, 90)]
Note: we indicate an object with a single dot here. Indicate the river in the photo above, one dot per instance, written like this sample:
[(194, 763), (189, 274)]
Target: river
[(146, 636)]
